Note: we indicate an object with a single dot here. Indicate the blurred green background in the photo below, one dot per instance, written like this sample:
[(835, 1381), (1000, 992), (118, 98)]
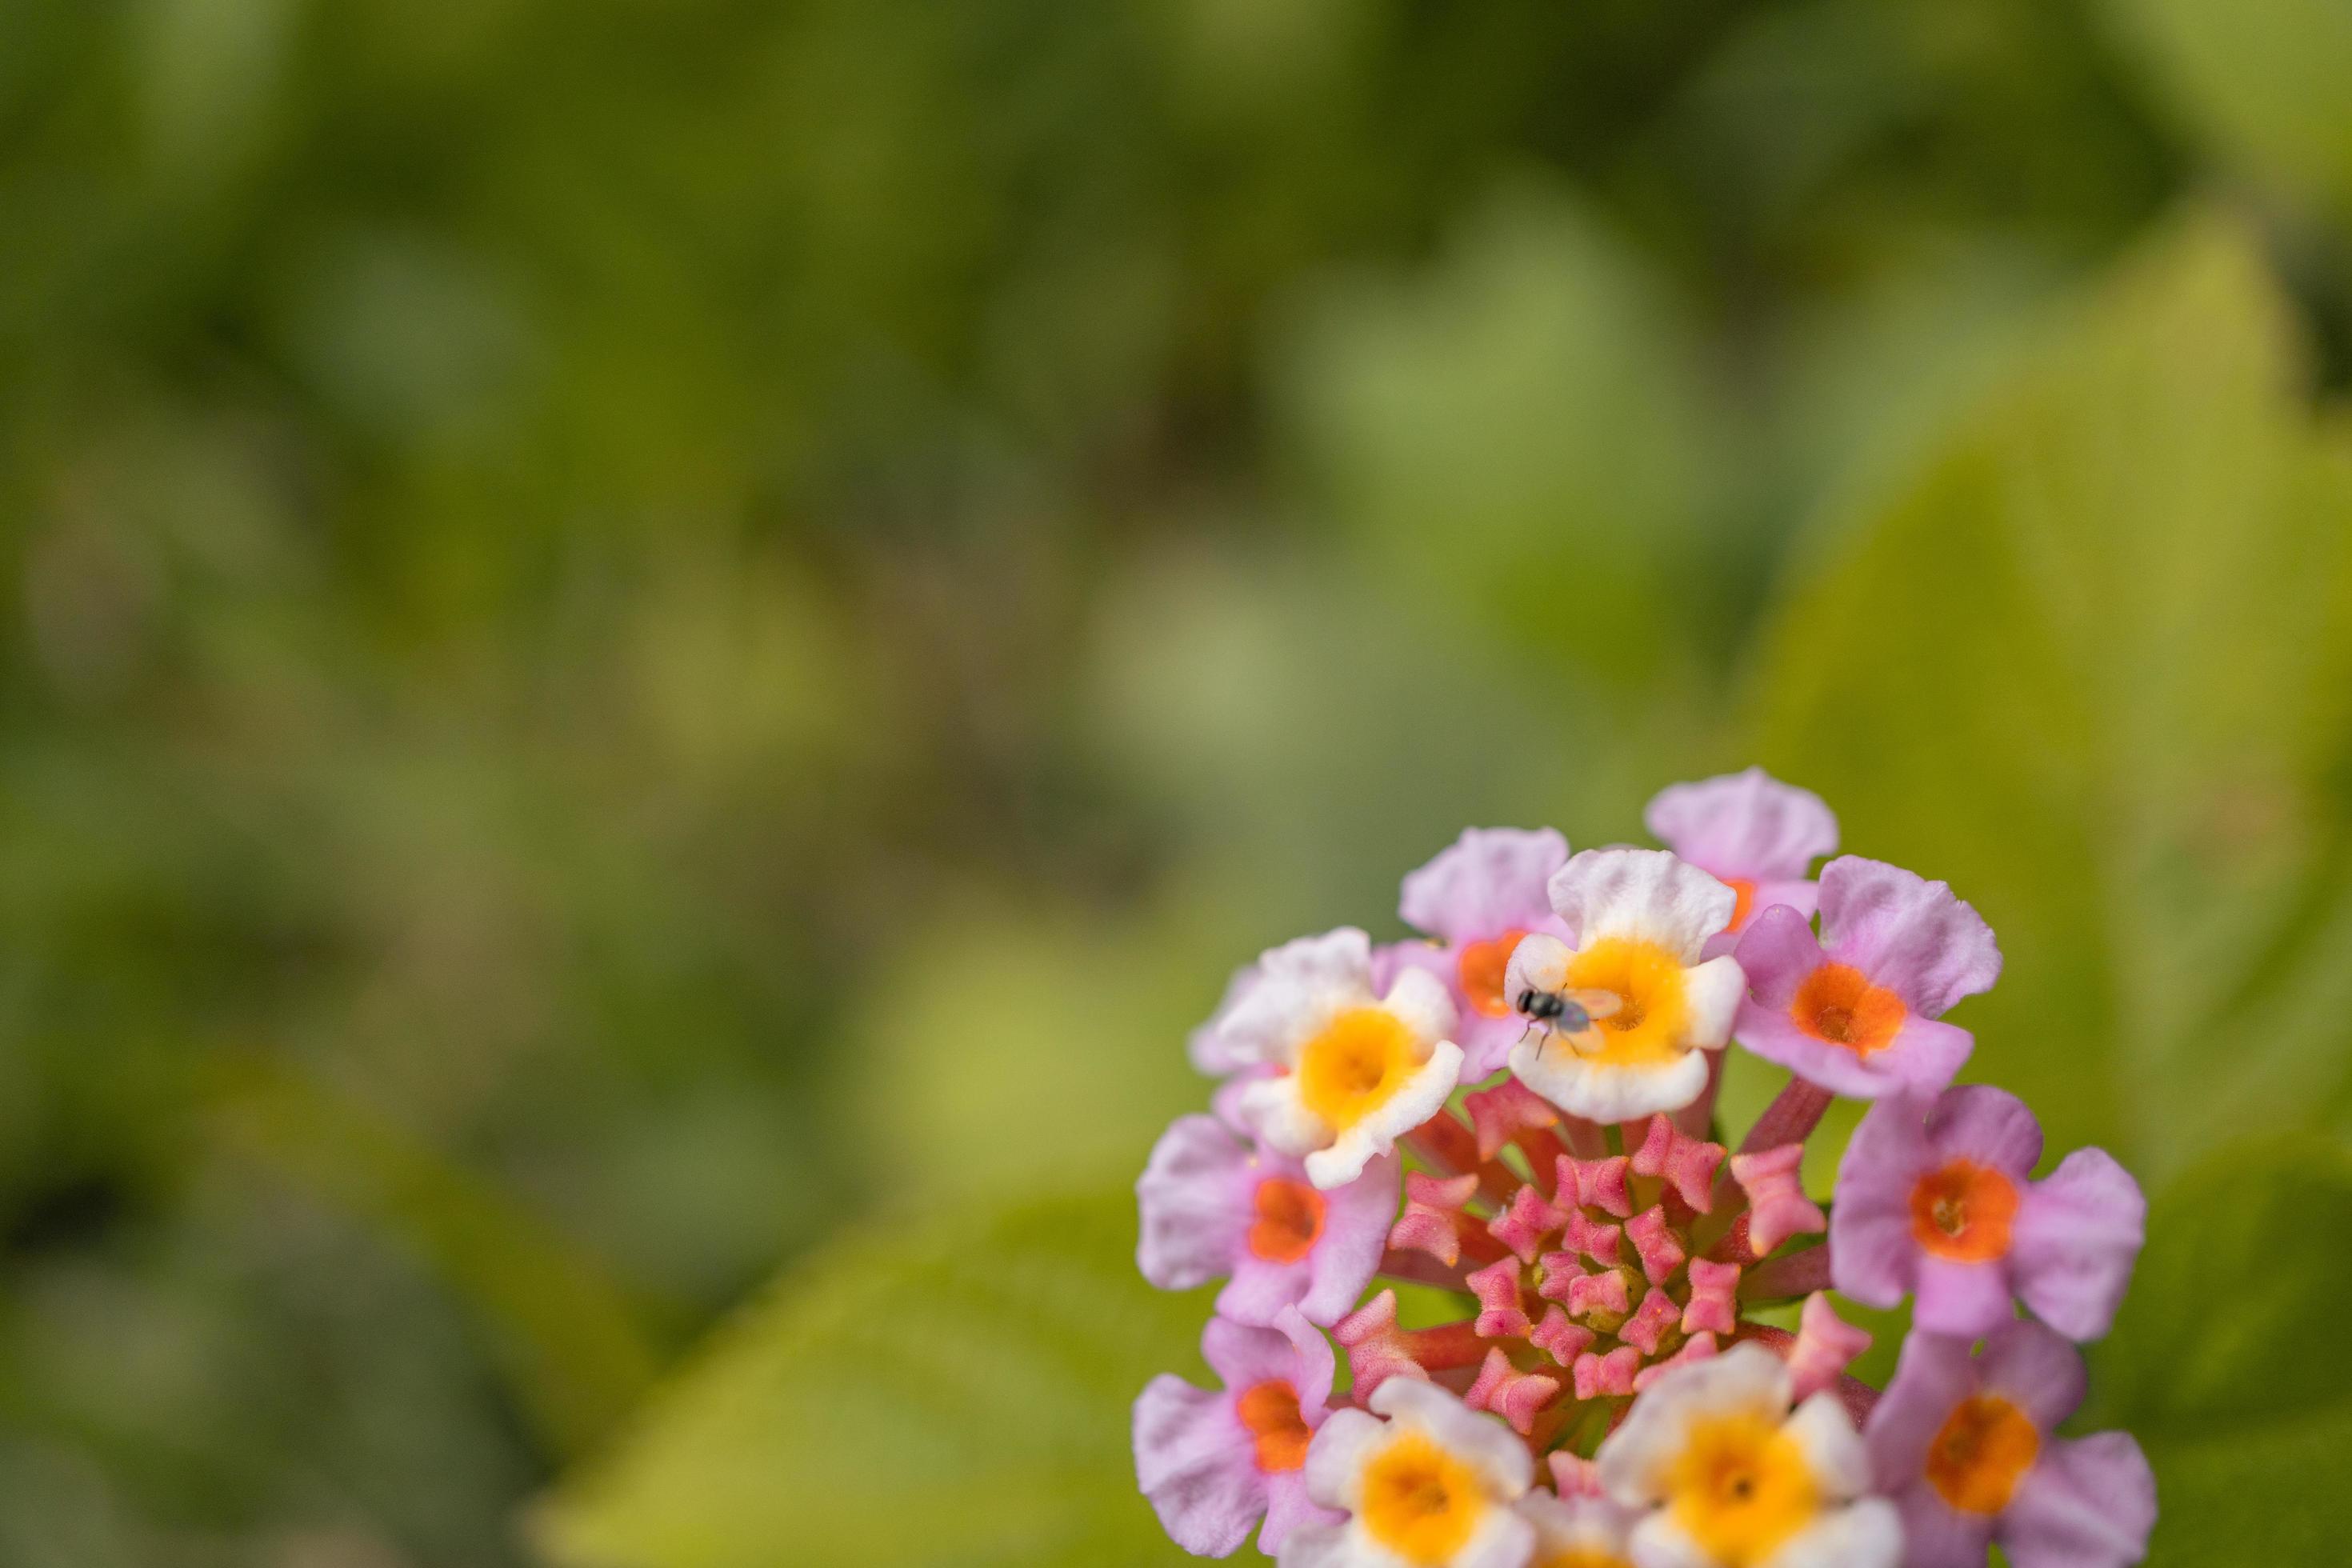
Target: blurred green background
[(655, 650)]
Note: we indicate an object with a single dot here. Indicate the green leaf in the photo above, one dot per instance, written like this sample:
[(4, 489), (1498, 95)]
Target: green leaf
[(2088, 664), (959, 1394), (2222, 1363), (2263, 79), (2271, 1494), (2242, 1277)]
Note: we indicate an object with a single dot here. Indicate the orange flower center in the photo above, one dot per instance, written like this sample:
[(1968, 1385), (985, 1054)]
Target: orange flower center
[(1289, 1218), (1270, 1411), (1836, 1003), (1984, 1449), (1480, 969), (1744, 890), (1962, 1211)]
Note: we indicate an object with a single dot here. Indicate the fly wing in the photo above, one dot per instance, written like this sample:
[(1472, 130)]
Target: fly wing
[(1597, 1004)]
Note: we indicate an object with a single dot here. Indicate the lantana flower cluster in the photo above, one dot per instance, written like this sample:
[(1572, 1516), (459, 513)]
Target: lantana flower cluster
[(1645, 1368)]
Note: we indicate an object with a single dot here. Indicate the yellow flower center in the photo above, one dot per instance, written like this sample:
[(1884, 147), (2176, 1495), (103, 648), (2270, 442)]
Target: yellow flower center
[(1583, 1557), (1837, 1004), (1741, 1488), (1983, 1451), (1420, 1502), (1349, 1070), (1653, 1018)]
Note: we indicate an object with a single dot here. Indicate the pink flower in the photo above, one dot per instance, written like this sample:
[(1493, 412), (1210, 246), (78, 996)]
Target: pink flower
[(1477, 898), (1856, 1011), (1213, 1208), (1934, 1199), (1750, 832), (1964, 1448), (1214, 1464)]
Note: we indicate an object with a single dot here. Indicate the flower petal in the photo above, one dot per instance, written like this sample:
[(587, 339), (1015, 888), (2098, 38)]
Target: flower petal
[(2088, 1504), (1936, 1536), (1647, 895), (1490, 880), (1748, 824), (1989, 1125), (1356, 1221), (1243, 1356), (1873, 1256), (1775, 953), (2077, 1237), (1971, 1299), (1714, 990), (1481, 1441), (1209, 1051), (1300, 987), (1866, 1533), (2032, 1366), (1290, 1509), (1636, 1458), (1192, 1461), (1423, 1002), (1602, 1091), (1834, 1449), (1193, 1196), (1906, 933), (1335, 1459), (1933, 1375)]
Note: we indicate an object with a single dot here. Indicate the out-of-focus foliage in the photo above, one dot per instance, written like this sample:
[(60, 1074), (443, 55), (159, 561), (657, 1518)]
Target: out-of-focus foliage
[(2244, 1422), (642, 633), (2095, 668), (957, 1394)]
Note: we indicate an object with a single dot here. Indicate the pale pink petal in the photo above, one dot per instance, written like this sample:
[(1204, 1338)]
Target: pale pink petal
[(1291, 1351), (2088, 1504), (1747, 825), (2077, 1237), (2034, 1368), (1290, 1509), (1905, 933), (1935, 1536), (1194, 1198), (1209, 1051), (1777, 952), (1646, 895), (1931, 1379), (1969, 1300), (1490, 880), (1873, 1256), (1193, 1461), (1355, 1234), (1992, 1126)]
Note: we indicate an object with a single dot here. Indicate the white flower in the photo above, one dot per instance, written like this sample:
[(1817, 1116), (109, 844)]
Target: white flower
[(1577, 1531), (1727, 1477), (1641, 920), (1432, 1486), (1352, 1071)]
